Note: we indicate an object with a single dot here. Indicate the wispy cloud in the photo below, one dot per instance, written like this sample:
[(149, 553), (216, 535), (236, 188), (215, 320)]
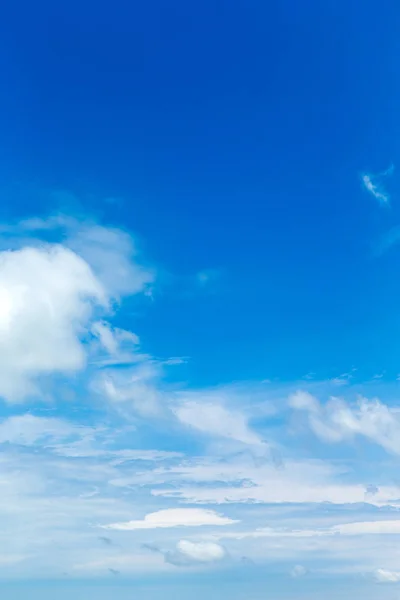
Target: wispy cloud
[(384, 576), (373, 184), (208, 415), (337, 421)]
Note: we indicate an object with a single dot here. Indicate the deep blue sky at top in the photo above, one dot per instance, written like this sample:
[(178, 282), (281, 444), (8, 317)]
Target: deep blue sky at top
[(235, 133)]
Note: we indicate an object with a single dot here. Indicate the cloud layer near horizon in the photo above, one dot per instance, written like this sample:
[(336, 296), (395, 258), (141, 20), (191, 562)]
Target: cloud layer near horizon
[(95, 437)]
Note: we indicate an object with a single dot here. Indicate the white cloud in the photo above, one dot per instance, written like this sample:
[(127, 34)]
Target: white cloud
[(61, 481), (115, 346), (212, 418), (174, 517), (384, 576), (188, 553), (373, 184), (338, 421), (303, 401), (375, 190), (50, 296), (47, 297), (201, 551), (111, 252)]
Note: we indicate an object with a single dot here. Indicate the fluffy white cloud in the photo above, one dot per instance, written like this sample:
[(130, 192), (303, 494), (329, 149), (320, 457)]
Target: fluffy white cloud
[(50, 295), (174, 517), (212, 418), (338, 421), (47, 297)]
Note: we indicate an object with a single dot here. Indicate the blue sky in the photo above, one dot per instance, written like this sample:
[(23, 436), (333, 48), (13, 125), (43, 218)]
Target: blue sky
[(199, 300)]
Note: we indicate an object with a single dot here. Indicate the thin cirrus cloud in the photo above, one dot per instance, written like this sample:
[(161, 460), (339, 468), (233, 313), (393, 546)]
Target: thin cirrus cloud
[(373, 184), (174, 517)]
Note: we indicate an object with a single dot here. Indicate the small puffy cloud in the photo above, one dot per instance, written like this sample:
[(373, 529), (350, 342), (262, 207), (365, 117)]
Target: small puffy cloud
[(174, 517), (373, 184), (298, 571), (212, 418), (201, 551), (191, 553), (338, 421), (384, 576)]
